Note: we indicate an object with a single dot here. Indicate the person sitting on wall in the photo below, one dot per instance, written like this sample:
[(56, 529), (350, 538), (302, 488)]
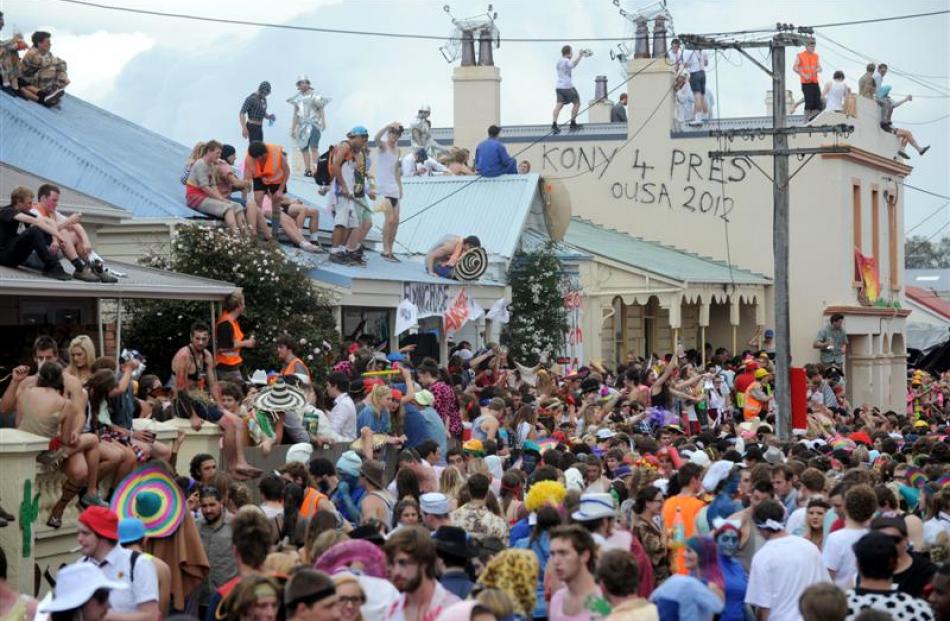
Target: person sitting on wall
[(418, 164), (491, 157), (16, 247), (442, 258), (42, 76), (75, 241)]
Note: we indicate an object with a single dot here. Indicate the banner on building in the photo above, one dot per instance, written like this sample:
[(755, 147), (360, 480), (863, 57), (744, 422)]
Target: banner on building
[(407, 316), (457, 314), (866, 268), (574, 315), (430, 299)]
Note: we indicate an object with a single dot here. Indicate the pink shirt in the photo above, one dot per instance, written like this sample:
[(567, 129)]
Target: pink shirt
[(556, 608)]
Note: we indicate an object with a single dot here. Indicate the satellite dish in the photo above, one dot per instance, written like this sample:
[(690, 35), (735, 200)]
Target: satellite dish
[(557, 207)]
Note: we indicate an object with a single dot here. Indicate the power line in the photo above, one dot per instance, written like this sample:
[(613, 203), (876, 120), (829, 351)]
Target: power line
[(939, 118), (914, 187), (921, 223), (398, 35)]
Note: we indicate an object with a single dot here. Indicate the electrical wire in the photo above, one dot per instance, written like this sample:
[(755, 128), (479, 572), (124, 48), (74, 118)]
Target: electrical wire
[(939, 118), (722, 180), (914, 187), (923, 242), (919, 224), (549, 133), (398, 35)]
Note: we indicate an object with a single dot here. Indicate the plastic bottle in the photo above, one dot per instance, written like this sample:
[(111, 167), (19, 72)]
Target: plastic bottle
[(679, 530)]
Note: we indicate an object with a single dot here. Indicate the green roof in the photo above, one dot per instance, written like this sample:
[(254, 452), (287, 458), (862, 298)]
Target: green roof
[(654, 257)]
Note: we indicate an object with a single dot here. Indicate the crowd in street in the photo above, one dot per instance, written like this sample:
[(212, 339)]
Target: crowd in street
[(484, 489)]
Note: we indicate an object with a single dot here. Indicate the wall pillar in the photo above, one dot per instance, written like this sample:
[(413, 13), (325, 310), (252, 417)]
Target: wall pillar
[(477, 104), (18, 451)]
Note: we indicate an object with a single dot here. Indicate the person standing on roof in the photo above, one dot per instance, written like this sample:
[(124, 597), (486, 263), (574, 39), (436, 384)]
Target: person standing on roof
[(491, 157), (389, 180), (352, 217), (566, 93), (308, 123), (253, 112), (808, 66)]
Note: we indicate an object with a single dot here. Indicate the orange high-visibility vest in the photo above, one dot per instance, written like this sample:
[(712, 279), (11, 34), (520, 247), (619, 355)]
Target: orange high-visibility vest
[(289, 369), (808, 66), (270, 170), (230, 357), (752, 407), (311, 502)]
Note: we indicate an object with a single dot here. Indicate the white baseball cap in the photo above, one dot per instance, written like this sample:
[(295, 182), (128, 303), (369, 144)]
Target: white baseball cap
[(75, 585)]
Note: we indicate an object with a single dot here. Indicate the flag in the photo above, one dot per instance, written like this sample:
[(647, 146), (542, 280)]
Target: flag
[(867, 270), (407, 316), (499, 311), (457, 313), (475, 309)]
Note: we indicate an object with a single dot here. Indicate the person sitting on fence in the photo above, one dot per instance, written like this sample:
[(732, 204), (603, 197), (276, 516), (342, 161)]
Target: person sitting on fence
[(202, 194), (442, 258), (195, 382), (43, 76), (52, 405), (16, 246)]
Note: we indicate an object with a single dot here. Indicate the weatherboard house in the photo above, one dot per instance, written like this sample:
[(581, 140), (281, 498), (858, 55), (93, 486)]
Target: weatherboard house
[(677, 245)]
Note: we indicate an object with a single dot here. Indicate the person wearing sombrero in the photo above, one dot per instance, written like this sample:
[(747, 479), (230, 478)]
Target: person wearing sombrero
[(98, 537), (278, 411)]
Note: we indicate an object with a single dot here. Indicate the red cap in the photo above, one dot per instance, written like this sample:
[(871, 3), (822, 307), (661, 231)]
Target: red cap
[(861, 437), (397, 394), (751, 366), (102, 521)]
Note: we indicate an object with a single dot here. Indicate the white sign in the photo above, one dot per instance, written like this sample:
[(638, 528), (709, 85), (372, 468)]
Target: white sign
[(499, 311), (430, 299), (407, 316)]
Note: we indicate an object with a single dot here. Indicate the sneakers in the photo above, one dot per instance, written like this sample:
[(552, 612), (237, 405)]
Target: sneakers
[(390, 257), (574, 126), (342, 258), (925, 149), (315, 238), (85, 274), (56, 271), (555, 129), (89, 500), (696, 122), (104, 276), (308, 247), (356, 258), (903, 155)]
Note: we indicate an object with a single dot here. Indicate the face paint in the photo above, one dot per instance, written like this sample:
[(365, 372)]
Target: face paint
[(728, 542)]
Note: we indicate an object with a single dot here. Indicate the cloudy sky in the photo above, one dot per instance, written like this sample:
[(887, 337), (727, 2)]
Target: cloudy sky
[(187, 79)]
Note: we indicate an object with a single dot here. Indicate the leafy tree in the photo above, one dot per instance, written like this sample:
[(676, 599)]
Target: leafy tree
[(538, 320), (280, 298), (922, 253)]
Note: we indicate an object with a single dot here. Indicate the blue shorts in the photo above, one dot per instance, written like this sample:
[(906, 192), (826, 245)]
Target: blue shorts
[(445, 271)]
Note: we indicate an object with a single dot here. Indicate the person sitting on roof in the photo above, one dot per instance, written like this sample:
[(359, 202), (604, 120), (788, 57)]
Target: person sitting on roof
[(418, 164), (266, 168), (75, 242), (202, 194), (228, 178), (491, 157), (457, 161), (10, 60), (16, 246), (43, 76), (442, 258)]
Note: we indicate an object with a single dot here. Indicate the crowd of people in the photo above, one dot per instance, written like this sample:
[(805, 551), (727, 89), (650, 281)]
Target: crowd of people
[(484, 489), (37, 76)]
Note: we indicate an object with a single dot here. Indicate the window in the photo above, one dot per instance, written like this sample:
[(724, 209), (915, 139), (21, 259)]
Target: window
[(875, 226), (856, 213), (893, 241)]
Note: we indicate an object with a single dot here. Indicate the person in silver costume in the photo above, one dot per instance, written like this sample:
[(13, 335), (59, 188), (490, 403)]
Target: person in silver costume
[(421, 129), (308, 123)]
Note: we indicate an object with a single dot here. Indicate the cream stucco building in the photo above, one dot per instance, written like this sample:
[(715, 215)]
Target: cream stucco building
[(653, 179)]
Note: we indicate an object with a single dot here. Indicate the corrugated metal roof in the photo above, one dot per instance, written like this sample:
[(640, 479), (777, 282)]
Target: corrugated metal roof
[(654, 257), (137, 282), (69, 199), (407, 270), (532, 240), (495, 210), (97, 153)]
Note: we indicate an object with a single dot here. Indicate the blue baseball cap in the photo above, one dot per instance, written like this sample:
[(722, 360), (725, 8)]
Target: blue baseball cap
[(359, 130), (396, 356), (131, 530)]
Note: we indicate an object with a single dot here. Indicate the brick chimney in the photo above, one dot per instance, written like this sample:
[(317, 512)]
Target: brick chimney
[(600, 106)]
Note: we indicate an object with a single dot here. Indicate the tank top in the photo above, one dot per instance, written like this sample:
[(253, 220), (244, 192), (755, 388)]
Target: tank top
[(388, 502), (46, 426), (836, 96), (386, 174)]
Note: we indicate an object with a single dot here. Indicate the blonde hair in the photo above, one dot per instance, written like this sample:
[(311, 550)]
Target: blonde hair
[(21, 193), (84, 343), (376, 397), (196, 152), (324, 541), (451, 482)]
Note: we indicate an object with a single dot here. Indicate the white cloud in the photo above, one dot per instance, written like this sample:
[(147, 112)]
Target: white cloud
[(93, 70)]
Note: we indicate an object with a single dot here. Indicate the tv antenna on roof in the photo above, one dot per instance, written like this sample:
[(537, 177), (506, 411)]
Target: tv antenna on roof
[(461, 43), (656, 12)]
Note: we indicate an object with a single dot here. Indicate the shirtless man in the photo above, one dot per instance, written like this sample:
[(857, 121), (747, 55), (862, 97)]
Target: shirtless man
[(750, 539), (441, 260), (195, 384), (52, 404)]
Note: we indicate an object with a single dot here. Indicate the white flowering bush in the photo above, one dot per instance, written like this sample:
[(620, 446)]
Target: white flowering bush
[(279, 296), (538, 320)]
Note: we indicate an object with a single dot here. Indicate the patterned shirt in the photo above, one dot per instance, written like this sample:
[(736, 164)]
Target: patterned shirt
[(479, 522), (447, 407), (255, 107), (901, 606)]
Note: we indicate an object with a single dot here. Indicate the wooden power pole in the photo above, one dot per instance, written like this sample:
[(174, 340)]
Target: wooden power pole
[(780, 190)]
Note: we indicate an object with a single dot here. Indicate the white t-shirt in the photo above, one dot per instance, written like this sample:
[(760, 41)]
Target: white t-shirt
[(795, 524), (674, 58), (836, 96), (781, 570), (695, 60), (143, 588), (386, 184), (564, 68), (839, 557)]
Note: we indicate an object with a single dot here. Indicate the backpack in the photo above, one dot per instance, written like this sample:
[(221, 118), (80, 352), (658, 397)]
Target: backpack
[(323, 176)]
